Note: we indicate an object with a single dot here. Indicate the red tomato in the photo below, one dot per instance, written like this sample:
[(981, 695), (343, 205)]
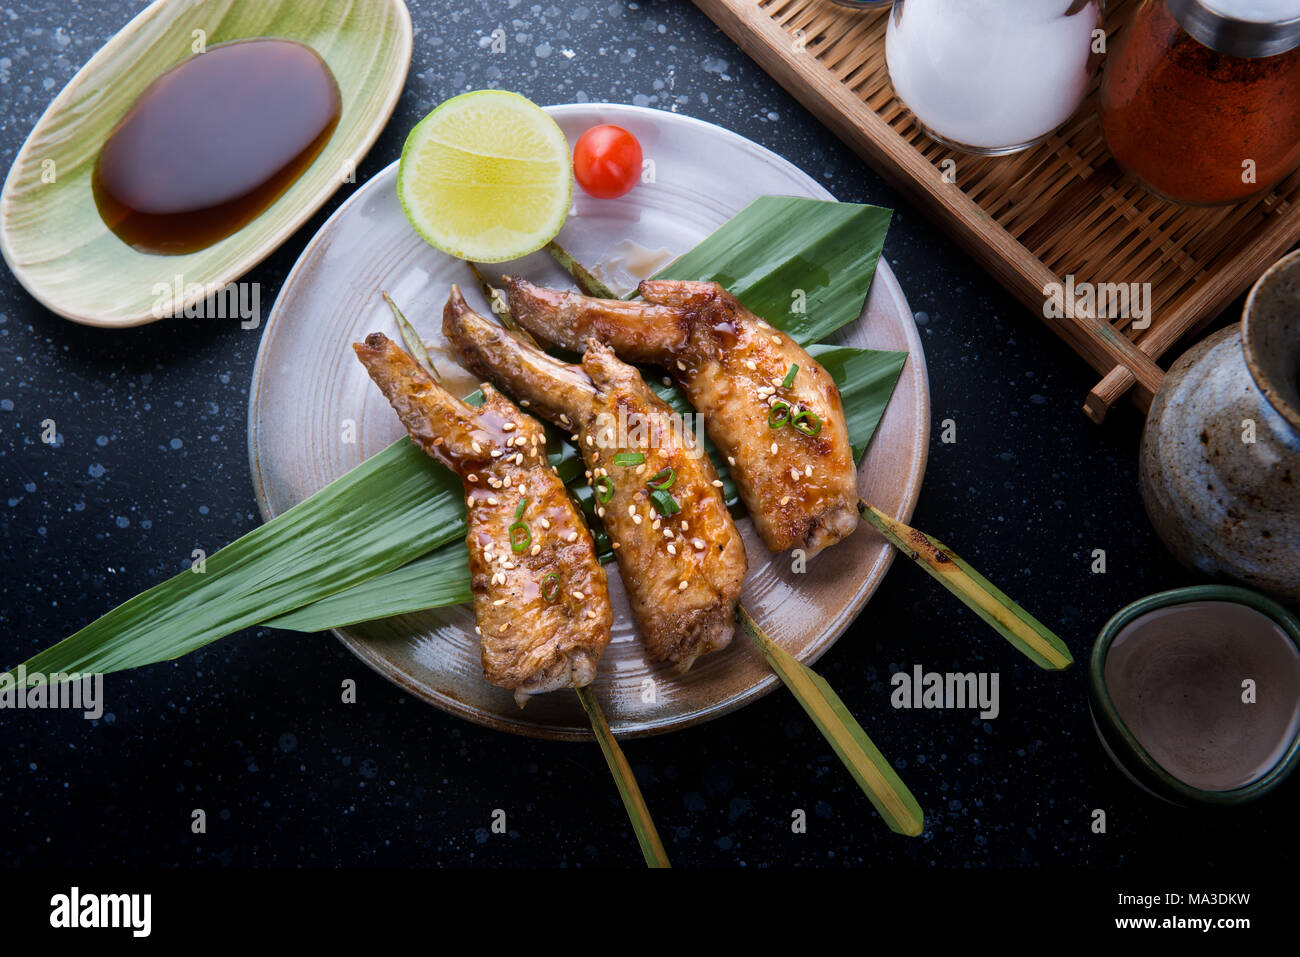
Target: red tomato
[(606, 161)]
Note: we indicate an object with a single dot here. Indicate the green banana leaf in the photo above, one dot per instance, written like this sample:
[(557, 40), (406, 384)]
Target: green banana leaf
[(826, 256), (400, 506)]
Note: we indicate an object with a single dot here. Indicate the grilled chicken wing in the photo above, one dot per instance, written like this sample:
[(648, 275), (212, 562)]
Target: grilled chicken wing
[(787, 444), (540, 595), (683, 571)]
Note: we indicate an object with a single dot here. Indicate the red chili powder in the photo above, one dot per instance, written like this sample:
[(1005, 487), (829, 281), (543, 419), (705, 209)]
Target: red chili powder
[(1185, 119)]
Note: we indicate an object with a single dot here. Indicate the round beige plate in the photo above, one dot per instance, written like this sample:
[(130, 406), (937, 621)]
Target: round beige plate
[(307, 384)]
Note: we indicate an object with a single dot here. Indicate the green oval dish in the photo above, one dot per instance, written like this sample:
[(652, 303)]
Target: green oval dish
[(1120, 743), (51, 234)]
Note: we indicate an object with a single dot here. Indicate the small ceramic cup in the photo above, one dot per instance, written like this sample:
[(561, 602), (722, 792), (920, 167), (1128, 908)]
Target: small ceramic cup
[(1123, 747)]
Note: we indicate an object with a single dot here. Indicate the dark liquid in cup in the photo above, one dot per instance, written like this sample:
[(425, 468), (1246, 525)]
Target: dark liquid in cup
[(1176, 676), (213, 142)]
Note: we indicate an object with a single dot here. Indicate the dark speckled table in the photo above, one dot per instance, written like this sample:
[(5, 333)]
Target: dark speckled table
[(153, 458)]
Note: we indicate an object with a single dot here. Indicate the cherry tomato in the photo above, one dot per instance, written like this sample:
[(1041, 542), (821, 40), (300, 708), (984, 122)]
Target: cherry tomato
[(606, 161)]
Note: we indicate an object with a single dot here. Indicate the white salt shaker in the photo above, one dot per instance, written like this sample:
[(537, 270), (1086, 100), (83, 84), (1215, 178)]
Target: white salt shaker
[(992, 76)]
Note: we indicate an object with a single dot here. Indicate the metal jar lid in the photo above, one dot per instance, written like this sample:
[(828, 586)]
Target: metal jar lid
[(1235, 35)]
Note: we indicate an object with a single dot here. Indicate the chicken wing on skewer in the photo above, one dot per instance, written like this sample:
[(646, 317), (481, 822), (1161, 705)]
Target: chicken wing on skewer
[(769, 407), (540, 595), (681, 557)]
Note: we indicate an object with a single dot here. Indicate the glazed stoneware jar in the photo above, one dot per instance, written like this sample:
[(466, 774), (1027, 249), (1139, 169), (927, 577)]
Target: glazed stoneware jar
[(1220, 460)]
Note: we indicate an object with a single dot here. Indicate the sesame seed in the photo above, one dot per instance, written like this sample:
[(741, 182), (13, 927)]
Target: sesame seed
[(535, 550), (794, 474), (615, 545), (681, 365), (785, 500), (717, 483), (579, 595), (590, 441), (471, 477), (600, 512), (508, 427), (544, 522), (774, 448), (502, 629), (506, 482), (492, 500), (573, 437), (672, 549), (751, 365), (637, 519), (564, 418), (494, 482), (731, 460), (525, 403), (496, 453), (666, 381), (656, 524), (519, 458), (437, 441), (523, 490), (631, 509), (668, 532), (499, 601), (590, 613), (807, 470), (776, 340), (476, 447), (571, 537), (698, 543), (681, 585)]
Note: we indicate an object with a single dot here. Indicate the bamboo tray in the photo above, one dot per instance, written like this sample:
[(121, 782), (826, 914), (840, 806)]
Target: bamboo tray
[(1060, 209)]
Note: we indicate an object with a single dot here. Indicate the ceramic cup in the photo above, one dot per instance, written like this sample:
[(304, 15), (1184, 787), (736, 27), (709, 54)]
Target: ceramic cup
[(1121, 743), (1220, 459)]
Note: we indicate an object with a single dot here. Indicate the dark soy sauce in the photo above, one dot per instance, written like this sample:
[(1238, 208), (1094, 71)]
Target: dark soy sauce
[(213, 142)]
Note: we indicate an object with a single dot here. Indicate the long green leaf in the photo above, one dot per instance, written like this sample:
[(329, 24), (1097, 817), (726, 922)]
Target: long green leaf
[(392, 508), (637, 812), (804, 265), (877, 778), (436, 580)]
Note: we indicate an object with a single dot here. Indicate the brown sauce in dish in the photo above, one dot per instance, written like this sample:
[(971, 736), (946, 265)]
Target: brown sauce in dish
[(213, 142)]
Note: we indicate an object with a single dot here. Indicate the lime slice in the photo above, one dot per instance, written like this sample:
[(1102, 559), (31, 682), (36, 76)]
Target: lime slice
[(486, 176)]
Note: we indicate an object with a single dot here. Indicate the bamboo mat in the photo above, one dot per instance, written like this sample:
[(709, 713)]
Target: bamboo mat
[(1060, 209)]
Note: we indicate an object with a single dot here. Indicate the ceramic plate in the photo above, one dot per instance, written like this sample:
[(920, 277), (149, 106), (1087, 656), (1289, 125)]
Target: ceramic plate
[(51, 234), (307, 382)]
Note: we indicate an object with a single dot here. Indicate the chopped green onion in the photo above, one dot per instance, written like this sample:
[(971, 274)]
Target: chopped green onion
[(663, 479), (664, 503), (778, 415), (519, 512), (624, 459), (604, 487), (520, 536), (789, 376), (814, 423), (551, 587)]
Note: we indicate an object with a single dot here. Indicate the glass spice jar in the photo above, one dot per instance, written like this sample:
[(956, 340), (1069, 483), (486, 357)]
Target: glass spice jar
[(1200, 99), (991, 77)]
